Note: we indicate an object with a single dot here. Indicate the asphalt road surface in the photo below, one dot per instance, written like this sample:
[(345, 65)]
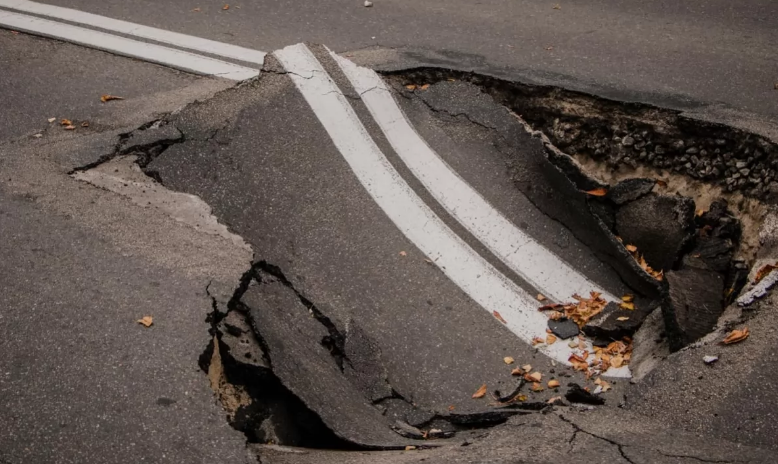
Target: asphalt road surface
[(379, 246)]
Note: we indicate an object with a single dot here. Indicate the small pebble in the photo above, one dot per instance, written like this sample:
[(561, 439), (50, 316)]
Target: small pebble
[(710, 359), (368, 3)]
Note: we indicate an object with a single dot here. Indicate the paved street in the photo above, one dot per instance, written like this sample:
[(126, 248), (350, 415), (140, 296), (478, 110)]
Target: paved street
[(334, 259)]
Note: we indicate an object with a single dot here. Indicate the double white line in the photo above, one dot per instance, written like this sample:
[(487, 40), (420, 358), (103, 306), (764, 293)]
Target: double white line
[(538, 266)]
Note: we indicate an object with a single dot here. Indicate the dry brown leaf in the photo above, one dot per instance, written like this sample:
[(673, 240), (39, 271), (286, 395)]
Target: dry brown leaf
[(52, 119), (499, 317), (554, 400), (538, 341), (508, 360), (536, 387), (517, 371), (534, 377), (627, 306), (736, 336), (550, 339), (622, 318), (540, 297), (526, 367), (66, 122), (70, 127), (425, 87), (598, 192), (410, 448), (617, 361), (602, 383), (631, 248), (226, 7), (107, 98), (402, 253), (410, 87), (146, 321), (553, 383), (628, 298), (549, 307), (556, 315), (85, 124), (451, 407), (763, 271), (480, 392)]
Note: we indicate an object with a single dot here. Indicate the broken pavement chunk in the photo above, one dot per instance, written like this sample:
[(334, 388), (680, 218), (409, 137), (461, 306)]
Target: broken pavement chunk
[(563, 328), (630, 190), (407, 430), (693, 306), (659, 225)]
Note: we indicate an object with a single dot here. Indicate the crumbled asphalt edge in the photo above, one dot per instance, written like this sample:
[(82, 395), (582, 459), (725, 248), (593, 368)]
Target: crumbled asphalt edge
[(259, 381), (631, 133)]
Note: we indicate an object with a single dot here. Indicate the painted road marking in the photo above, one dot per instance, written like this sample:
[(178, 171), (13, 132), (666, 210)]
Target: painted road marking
[(123, 27), (537, 265), (463, 265), (171, 57)]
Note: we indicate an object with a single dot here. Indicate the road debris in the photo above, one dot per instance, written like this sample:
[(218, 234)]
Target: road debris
[(541, 297), (563, 328), (508, 360), (710, 359), (759, 290), (763, 272), (499, 317), (599, 191), (70, 127), (226, 7), (65, 122), (693, 306), (402, 253), (533, 377), (602, 384), (736, 336), (146, 321), (368, 3), (576, 394), (480, 392), (106, 98), (52, 119), (581, 312), (553, 383)]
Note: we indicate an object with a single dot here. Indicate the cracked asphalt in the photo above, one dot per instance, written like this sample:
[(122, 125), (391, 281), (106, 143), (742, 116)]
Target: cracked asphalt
[(229, 176)]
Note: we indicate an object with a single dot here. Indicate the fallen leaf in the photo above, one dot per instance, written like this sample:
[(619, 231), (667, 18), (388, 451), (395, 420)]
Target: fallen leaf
[(410, 448), (550, 339), (627, 306), (508, 360), (538, 341), (534, 377), (196, 10), (526, 367), (699, 212), (37, 136), (70, 127), (146, 321), (550, 47), (617, 361), (736, 336), (631, 248), (52, 119), (410, 87), (402, 253), (85, 124), (226, 7), (550, 307), (521, 398), (107, 98), (572, 344), (425, 87), (499, 318), (554, 400), (65, 122), (557, 7), (763, 271), (622, 318), (598, 192), (451, 407), (556, 315), (553, 383), (517, 371), (603, 384), (628, 298), (536, 387), (540, 297), (480, 392)]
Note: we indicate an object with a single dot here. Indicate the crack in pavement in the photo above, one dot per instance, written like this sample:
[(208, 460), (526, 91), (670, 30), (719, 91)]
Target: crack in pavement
[(578, 429)]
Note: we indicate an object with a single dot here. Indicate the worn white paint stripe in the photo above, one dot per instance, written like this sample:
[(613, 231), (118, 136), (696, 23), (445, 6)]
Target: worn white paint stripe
[(465, 267), (123, 27), (173, 58), (536, 264)]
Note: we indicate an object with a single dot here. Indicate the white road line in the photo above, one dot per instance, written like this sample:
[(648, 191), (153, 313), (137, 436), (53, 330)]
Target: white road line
[(536, 264), (173, 58), (123, 27), (479, 279)]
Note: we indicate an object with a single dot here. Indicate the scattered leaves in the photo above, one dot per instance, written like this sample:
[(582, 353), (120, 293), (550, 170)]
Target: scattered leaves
[(617, 361), (658, 275), (146, 321), (554, 399), (425, 87), (598, 192), (52, 119), (541, 297), (480, 392), (586, 308), (736, 336), (411, 87), (499, 317), (65, 122), (550, 339), (553, 383), (526, 367), (536, 387), (763, 271), (533, 377), (107, 98), (622, 318), (603, 384), (628, 306), (508, 360)]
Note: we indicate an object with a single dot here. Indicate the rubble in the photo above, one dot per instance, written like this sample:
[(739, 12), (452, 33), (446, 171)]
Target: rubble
[(693, 306), (576, 394)]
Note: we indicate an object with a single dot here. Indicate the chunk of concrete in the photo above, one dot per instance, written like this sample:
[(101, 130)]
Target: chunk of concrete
[(563, 328), (693, 306), (630, 190), (658, 225)]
